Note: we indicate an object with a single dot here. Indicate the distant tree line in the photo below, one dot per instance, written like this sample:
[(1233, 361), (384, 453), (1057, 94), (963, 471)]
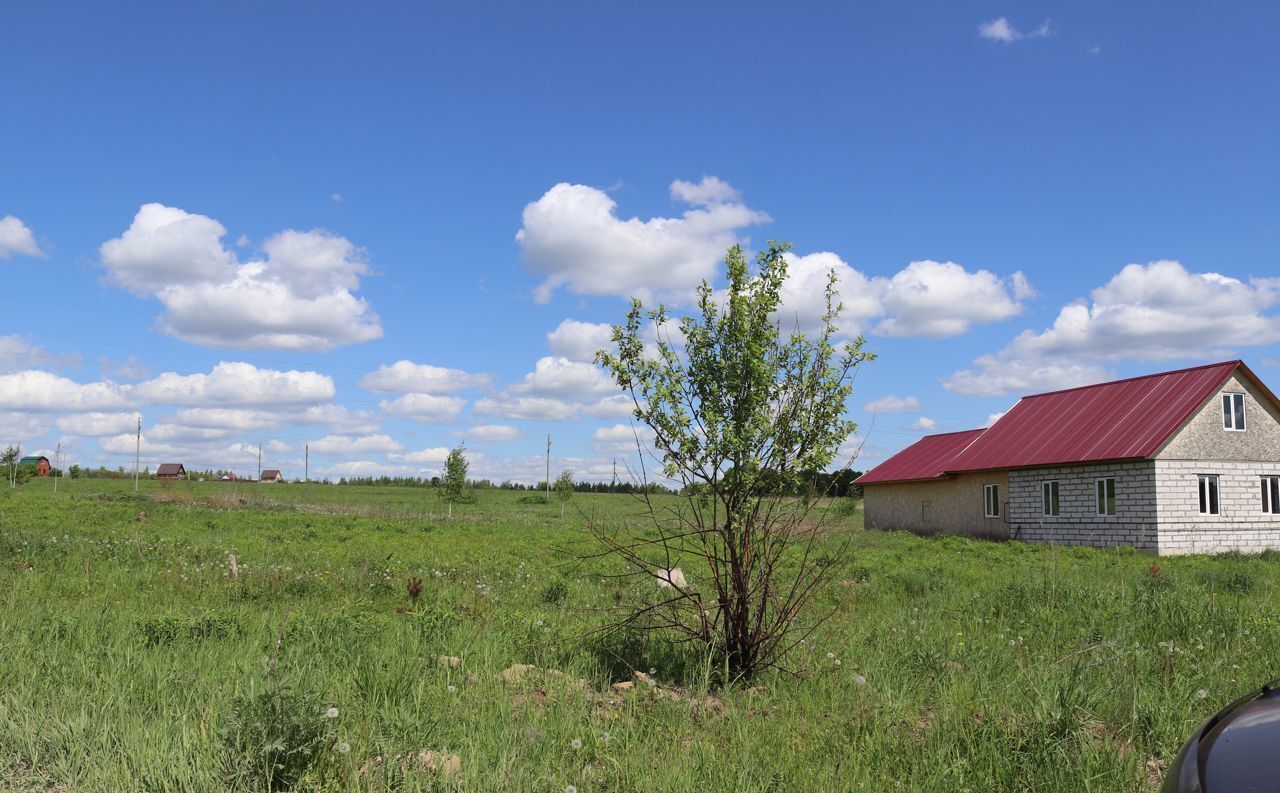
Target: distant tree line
[(489, 484)]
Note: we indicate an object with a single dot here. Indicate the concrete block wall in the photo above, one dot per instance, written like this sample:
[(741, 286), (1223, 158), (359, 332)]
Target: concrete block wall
[(1078, 523), (1241, 526), (933, 506)]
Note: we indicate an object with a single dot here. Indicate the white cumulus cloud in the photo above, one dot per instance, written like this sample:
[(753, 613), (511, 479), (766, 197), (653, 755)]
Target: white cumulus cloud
[(611, 407), (35, 390), (556, 376), (934, 300), (435, 455), (893, 404), (237, 384), (491, 433), (622, 438), (404, 377), (710, 190), (573, 237), (17, 353), (342, 445), (227, 419), (97, 424), (579, 341), (16, 239), (1002, 30), (527, 408), (299, 295), (925, 299), (424, 407), (1146, 312)]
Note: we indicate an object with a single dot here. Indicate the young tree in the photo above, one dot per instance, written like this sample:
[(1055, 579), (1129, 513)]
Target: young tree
[(454, 482), (738, 415), (9, 461), (564, 488)]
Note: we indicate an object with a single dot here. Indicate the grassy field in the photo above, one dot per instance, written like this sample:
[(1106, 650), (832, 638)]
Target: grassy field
[(129, 653)]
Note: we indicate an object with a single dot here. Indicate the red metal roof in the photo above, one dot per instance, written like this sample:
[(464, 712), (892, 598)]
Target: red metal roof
[(927, 458), (1121, 420)]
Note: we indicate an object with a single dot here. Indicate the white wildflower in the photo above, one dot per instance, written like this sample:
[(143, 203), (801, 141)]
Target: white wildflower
[(331, 713)]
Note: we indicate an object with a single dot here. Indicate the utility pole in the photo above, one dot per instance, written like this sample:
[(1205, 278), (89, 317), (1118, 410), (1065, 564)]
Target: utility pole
[(57, 465), (306, 462), (259, 461), (548, 468), (613, 485), (137, 454), (13, 464)]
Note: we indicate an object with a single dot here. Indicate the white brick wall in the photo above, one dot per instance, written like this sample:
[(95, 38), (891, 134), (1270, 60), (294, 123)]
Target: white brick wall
[(1078, 523), (1242, 525)]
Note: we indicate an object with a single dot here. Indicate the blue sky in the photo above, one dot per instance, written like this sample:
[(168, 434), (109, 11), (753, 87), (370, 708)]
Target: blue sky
[(237, 220)]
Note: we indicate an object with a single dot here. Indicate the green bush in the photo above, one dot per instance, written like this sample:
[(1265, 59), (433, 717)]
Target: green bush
[(272, 739)]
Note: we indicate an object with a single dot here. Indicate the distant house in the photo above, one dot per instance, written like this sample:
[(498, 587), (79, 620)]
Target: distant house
[(230, 476), (171, 471), (1177, 462), (41, 464), (272, 475)]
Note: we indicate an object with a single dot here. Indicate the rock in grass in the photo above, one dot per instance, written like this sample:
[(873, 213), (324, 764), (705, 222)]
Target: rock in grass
[(440, 763), (517, 672)]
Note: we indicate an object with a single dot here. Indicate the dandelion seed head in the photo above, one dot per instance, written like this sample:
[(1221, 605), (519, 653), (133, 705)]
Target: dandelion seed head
[(344, 748), (575, 744), (570, 789), (1201, 694), (331, 713)]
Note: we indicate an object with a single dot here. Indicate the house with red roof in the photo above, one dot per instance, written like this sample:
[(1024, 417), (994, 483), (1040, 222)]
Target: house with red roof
[(1177, 462)]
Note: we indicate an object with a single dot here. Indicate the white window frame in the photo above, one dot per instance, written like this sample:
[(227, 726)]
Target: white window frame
[(1206, 502), (1230, 416), (1100, 500), (1270, 494), (1050, 498), (991, 500)]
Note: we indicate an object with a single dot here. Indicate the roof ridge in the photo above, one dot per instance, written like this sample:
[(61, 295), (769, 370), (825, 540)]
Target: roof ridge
[(1236, 362), (953, 432)]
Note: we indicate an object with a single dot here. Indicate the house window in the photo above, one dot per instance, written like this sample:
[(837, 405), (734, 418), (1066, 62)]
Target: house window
[(1050, 498), (991, 500), (1209, 494), (1271, 494), (1106, 489), (1233, 412)]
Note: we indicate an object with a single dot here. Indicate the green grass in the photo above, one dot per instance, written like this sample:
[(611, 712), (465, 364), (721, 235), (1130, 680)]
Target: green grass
[(126, 647)]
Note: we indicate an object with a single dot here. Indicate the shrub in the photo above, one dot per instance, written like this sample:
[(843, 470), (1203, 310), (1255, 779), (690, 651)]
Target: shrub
[(555, 593), (273, 738)]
